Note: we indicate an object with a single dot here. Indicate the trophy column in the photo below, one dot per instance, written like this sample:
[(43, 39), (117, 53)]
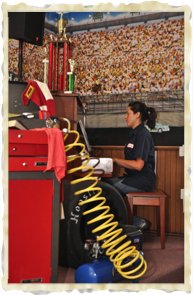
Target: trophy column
[(71, 75), (59, 54), (65, 65)]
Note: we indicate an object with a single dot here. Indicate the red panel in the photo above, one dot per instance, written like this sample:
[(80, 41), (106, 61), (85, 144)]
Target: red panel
[(28, 143), (65, 66), (55, 69), (32, 136), (30, 230), (28, 136), (58, 69), (28, 163), (22, 149), (50, 66)]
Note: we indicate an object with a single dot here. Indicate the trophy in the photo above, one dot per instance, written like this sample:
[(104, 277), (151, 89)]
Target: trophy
[(72, 76), (72, 64), (62, 28), (60, 50), (46, 65)]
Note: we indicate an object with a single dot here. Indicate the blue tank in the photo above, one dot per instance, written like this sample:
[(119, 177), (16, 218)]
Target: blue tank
[(100, 271)]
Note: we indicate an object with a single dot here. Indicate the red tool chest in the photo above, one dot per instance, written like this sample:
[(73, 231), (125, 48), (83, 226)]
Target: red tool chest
[(34, 210)]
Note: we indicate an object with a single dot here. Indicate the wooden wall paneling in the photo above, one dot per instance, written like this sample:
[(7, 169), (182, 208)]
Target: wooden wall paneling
[(158, 168), (159, 171), (178, 184), (98, 152), (168, 190), (181, 201), (122, 155), (115, 167), (152, 209), (119, 155), (151, 215), (135, 210), (152, 218), (161, 175), (146, 212), (140, 211), (107, 153), (173, 190)]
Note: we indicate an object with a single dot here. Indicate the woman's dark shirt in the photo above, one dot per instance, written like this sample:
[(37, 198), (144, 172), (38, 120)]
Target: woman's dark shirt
[(140, 145)]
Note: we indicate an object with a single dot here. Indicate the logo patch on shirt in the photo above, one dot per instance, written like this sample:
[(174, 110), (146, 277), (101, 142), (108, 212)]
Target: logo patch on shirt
[(130, 145)]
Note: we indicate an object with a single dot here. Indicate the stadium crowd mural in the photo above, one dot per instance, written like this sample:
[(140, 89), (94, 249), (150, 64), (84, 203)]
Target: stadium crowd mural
[(33, 56), (128, 59)]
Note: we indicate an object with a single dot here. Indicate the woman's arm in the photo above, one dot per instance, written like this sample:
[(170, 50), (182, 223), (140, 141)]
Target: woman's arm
[(130, 164)]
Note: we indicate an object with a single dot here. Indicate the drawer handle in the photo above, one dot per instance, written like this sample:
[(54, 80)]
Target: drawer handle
[(14, 149), (19, 135), (40, 163), (24, 164)]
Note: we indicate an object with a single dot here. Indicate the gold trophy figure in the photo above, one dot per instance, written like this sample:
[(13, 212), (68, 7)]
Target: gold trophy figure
[(72, 64), (62, 28)]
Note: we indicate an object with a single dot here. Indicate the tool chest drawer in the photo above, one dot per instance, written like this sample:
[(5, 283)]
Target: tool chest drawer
[(28, 143), (20, 149), (28, 163), (28, 136)]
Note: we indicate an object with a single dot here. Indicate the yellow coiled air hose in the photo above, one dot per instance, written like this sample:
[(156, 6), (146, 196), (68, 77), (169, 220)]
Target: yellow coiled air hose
[(122, 252)]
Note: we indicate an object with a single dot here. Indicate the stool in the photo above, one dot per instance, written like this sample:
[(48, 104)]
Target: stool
[(154, 198)]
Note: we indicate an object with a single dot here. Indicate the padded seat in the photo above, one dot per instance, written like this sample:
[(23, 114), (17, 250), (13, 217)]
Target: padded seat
[(154, 198)]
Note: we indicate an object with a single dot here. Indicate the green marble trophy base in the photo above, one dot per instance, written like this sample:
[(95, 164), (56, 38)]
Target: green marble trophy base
[(71, 81)]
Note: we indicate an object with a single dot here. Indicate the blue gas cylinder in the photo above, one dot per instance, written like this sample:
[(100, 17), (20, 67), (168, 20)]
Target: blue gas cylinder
[(99, 271)]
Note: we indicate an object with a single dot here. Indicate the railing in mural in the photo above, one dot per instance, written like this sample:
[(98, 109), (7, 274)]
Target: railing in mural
[(162, 101)]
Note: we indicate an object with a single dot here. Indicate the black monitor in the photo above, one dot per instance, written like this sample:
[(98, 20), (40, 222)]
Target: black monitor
[(82, 131)]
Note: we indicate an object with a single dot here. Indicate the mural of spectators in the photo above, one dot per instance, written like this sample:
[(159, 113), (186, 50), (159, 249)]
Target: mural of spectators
[(129, 59), (33, 56)]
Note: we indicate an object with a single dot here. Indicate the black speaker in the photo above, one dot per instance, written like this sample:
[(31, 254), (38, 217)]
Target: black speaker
[(27, 26)]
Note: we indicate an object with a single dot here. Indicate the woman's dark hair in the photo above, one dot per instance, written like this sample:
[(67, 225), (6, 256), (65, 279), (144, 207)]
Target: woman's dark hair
[(147, 113)]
